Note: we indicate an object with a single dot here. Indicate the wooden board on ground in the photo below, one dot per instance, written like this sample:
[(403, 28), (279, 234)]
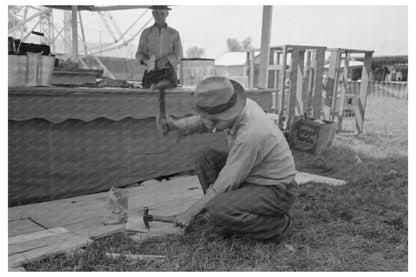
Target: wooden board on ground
[(23, 226), (305, 178), (94, 228), (83, 215), (31, 247)]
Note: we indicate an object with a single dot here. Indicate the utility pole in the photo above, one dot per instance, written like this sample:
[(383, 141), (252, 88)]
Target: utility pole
[(75, 34), (265, 46), (67, 35)]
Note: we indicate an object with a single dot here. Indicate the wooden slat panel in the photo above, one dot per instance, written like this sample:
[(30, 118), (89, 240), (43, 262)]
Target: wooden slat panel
[(319, 62), (23, 226), (344, 88), (364, 90)]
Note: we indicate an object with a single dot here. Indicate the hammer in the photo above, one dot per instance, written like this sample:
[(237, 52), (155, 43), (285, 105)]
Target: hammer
[(148, 218)]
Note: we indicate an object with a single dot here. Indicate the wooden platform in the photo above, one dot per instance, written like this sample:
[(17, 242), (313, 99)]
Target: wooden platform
[(50, 228)]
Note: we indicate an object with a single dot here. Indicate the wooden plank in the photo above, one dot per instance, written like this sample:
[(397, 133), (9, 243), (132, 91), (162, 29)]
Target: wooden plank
[(344, 88), (70, 209), (265, 46), (94, 228), (364, 90), (68, 243), (23, 226), (135, 257), (354, 51), (32, 244), (307, 85), (299, 83), (305, 178), (319, 62), (37, 235), (332, 84), (16, 269), (251, 75), (295, 74), (282, 89)]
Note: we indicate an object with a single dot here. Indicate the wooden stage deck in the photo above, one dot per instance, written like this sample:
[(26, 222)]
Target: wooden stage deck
[(61, 226)]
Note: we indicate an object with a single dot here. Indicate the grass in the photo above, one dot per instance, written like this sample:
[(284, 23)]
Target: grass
[(361, 226)]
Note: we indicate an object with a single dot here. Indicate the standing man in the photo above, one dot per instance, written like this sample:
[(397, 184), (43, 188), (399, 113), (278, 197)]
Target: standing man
[(250, 189), (160, 50)]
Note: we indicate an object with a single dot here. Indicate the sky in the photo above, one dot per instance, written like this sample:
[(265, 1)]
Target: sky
[(383, 29)]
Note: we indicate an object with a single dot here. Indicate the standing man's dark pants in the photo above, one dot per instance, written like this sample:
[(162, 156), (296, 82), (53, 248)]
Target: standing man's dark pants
[(254, 210)]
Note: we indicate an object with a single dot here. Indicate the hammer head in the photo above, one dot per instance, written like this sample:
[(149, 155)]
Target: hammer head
[(147, 217)]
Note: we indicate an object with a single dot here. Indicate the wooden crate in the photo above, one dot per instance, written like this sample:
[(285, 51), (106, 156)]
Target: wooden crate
[(312, 136)]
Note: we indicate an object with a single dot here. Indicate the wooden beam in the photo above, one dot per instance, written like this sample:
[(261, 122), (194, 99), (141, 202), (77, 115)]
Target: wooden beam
[(291, 47), (353, 51), (364, 90), (265, 46), (74, 34), (319, 62)]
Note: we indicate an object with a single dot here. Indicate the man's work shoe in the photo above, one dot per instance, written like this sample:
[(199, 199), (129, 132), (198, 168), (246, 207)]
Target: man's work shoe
[(279, 238)]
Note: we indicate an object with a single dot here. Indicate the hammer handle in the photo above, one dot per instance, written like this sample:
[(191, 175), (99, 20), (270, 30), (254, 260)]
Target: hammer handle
[(168, 219)]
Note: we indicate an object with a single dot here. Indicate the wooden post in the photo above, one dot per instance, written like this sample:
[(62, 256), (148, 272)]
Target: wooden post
[(318, 82), (344, 81), (364, 90), (265, 46), (282, 87), (74, 34)]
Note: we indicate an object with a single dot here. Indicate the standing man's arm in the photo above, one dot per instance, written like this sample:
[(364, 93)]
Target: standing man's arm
[(176, 56), (141, 55)]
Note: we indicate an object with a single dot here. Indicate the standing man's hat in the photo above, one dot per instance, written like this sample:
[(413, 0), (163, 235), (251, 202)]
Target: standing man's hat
[(160, 8), (220, 98)]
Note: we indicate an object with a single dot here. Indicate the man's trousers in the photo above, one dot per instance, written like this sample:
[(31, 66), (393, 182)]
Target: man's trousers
[(257, 211)]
